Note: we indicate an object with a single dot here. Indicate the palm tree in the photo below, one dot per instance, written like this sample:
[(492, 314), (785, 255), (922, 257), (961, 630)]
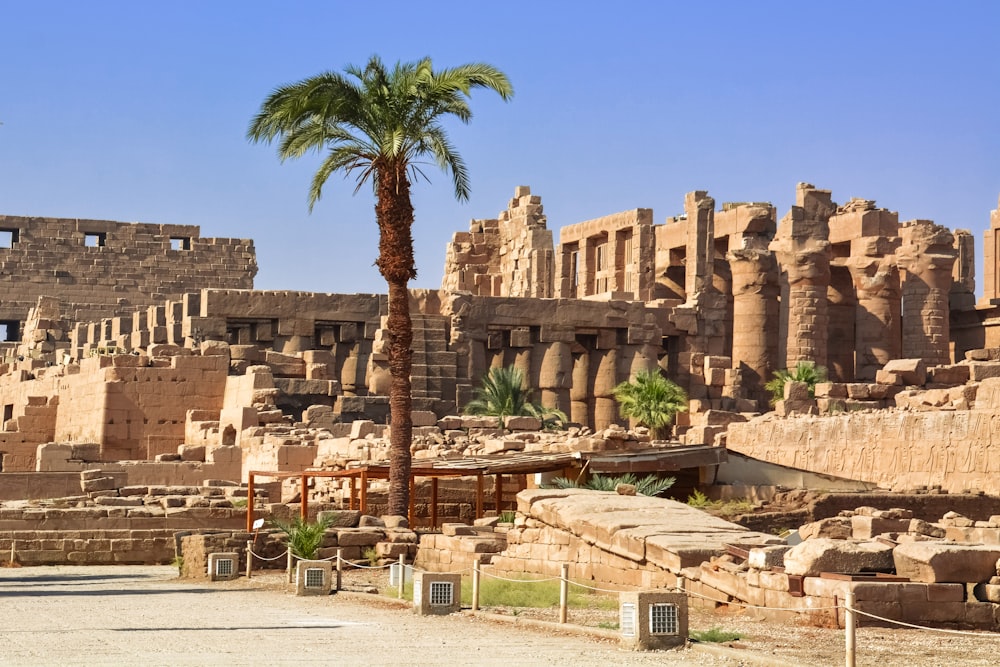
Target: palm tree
[(502, 394), (651, 400), (805, 371), (380, 123)]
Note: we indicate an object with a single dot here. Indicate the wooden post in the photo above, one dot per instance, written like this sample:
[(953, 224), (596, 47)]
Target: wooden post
[(364, 491), (479, 495), (340, 567), (563, 592), (289, 566), (498, 491), (434, 502), (304, 497), (250, 503), (249, 558), (354, 491), (849, 625), (402, 574), (475, 583)]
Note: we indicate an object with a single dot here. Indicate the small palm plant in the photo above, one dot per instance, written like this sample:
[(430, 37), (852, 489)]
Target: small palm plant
[(304, 537), (804, 371), (648, 485), (503, 394), (651, 400)]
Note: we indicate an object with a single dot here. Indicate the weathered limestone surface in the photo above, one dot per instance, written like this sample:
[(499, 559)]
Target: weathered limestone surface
[(615, 539), (956, 449), (126, 266), (812, 557), (943, 562)]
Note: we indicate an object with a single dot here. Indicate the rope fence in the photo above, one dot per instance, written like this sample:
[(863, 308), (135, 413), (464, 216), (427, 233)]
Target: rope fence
[(849, 606)]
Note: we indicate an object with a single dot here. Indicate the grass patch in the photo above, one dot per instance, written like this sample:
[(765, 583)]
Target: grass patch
[(723, 508), (522, 594), (714, 635)]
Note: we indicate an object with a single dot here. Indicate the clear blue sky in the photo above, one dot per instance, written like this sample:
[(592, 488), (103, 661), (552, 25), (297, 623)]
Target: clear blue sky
[(136, 111)]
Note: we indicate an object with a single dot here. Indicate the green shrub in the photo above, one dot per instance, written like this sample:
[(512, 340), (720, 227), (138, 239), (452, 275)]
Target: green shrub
[(713, 635), (304, 537)]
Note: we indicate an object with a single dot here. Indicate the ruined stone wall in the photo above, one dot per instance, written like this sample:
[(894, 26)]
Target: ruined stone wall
[(958, 450), (510, 255), (612, 256), (100, 268)]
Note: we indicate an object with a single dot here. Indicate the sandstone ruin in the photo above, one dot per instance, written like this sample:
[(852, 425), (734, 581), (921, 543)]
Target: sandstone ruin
[(141, 354)]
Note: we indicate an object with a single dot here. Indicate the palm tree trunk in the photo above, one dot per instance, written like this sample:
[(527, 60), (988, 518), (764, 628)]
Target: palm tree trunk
[(394, 213)]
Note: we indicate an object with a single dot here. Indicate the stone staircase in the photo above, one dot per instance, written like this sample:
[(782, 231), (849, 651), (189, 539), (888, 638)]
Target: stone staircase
[(434, 367)]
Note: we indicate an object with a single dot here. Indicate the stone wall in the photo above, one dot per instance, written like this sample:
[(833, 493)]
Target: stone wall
[(100, 268), (955, 450)]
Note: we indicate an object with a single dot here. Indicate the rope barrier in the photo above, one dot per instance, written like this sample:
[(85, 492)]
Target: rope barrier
[(754, 606), (594, 588), (520, 581), (966, 633), (259, 557)]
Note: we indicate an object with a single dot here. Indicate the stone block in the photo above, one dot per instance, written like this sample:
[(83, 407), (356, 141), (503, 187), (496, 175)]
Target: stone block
[(943, 562), (812, 557), (911, 372)]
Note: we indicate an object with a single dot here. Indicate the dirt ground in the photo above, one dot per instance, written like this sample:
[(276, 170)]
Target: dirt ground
[(147, 616)]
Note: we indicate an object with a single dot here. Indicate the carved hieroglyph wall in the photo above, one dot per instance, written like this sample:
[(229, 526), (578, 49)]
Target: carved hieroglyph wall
[(898, 449), (100, 268)]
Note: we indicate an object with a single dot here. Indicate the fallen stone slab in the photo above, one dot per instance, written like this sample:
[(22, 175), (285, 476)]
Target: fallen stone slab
[(946, 562), (815, 556)]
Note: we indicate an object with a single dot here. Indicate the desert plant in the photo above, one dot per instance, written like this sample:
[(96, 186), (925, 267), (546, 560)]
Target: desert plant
[(503, 394), (804, 371), (699, 500), (380, 123), (304, 537), (713, 635), (648, 485), (371, 555), (650, 400)]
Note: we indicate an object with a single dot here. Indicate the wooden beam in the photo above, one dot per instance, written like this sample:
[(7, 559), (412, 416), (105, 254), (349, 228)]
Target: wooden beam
[(434, 503), (364, 491), (250, 503), (354, 491), (497, 491), (479, 496), (304, 498)]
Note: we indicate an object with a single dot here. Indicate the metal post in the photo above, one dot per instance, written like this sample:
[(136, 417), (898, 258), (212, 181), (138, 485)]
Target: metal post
[(850, 623), (249, 558), (475, 583), (563, 592), (402, 574), (340, 568)]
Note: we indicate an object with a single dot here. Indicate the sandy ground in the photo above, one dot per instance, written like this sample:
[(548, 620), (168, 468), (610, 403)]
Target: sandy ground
[(147, 616)]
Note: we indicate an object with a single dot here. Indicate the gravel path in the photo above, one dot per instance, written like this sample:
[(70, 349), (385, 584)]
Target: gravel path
[(146, 616)]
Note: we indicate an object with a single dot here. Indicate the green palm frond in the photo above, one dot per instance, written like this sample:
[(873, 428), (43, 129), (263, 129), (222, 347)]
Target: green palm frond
[(651, 400), (804, 371), (304, 537)]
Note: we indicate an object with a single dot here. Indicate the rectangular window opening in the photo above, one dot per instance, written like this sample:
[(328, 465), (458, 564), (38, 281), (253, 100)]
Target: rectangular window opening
[(95, 239), (627, 619), (8, 237), (224, 567), (180, 242), (10, 331)]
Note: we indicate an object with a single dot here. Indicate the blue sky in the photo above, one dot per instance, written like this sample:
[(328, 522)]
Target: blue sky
[(136, 111)]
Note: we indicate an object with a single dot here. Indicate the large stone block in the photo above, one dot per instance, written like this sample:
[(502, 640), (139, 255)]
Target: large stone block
[(812, 557), (910, 371), (944, 562)]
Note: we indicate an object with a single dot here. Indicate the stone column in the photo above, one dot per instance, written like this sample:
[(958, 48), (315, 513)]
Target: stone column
[(698, 268), (579, 389), (604, 368), (802, 248), (928, 255), (555, 371), (877, 324), (755, 316)]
